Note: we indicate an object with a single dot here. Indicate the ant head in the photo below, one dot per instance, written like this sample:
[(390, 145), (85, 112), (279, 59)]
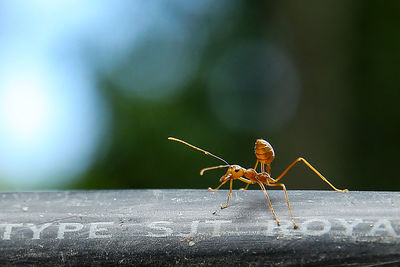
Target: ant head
[(233, 172)]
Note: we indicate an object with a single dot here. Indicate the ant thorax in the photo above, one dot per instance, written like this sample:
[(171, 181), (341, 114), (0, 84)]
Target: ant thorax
[(264, 177), (250, 174)]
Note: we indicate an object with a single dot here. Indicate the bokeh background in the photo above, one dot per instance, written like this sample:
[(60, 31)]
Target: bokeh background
[(90, 91)]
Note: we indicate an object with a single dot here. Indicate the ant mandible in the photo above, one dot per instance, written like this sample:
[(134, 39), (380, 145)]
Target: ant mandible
[(265, 155)]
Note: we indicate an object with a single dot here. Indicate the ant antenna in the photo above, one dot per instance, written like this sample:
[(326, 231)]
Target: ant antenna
[(202, 150), (213, 168)]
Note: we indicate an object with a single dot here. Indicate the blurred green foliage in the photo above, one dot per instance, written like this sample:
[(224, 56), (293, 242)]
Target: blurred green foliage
[(346, 122)]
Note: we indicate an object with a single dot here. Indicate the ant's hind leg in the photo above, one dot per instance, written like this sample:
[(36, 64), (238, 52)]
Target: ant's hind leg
[(288, 204), (229, 195), (269, 202), (313, 169)]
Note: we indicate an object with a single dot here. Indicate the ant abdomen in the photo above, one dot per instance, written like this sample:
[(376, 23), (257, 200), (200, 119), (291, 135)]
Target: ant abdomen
[(264, 152)]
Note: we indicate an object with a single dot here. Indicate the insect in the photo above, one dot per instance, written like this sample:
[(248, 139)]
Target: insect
[(265, 155)]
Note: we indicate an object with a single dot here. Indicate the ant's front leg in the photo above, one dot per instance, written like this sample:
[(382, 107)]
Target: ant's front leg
[(229, 195), (213, 190)]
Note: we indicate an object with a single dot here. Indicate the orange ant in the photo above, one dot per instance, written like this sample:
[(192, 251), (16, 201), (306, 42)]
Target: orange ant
[(265, 155)]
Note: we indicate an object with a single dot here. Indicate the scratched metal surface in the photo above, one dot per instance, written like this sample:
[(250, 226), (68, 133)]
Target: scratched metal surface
[(187, 227)]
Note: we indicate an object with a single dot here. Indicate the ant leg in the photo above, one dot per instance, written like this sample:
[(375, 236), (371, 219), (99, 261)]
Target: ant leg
[(269, 168), (269, 202), (288, 204), (313, 169), (247, 181), (244, 188), (255, 167), (263, 166), (229, 195), (213, 190)]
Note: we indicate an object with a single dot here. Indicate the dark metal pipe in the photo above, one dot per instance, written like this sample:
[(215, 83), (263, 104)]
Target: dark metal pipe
[(169, 227)]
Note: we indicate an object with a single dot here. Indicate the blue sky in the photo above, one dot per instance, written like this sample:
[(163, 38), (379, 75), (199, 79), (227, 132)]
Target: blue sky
[(52, 118)]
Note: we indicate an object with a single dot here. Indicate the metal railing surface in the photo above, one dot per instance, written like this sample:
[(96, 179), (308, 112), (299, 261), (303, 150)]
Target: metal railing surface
[(187, 227)]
